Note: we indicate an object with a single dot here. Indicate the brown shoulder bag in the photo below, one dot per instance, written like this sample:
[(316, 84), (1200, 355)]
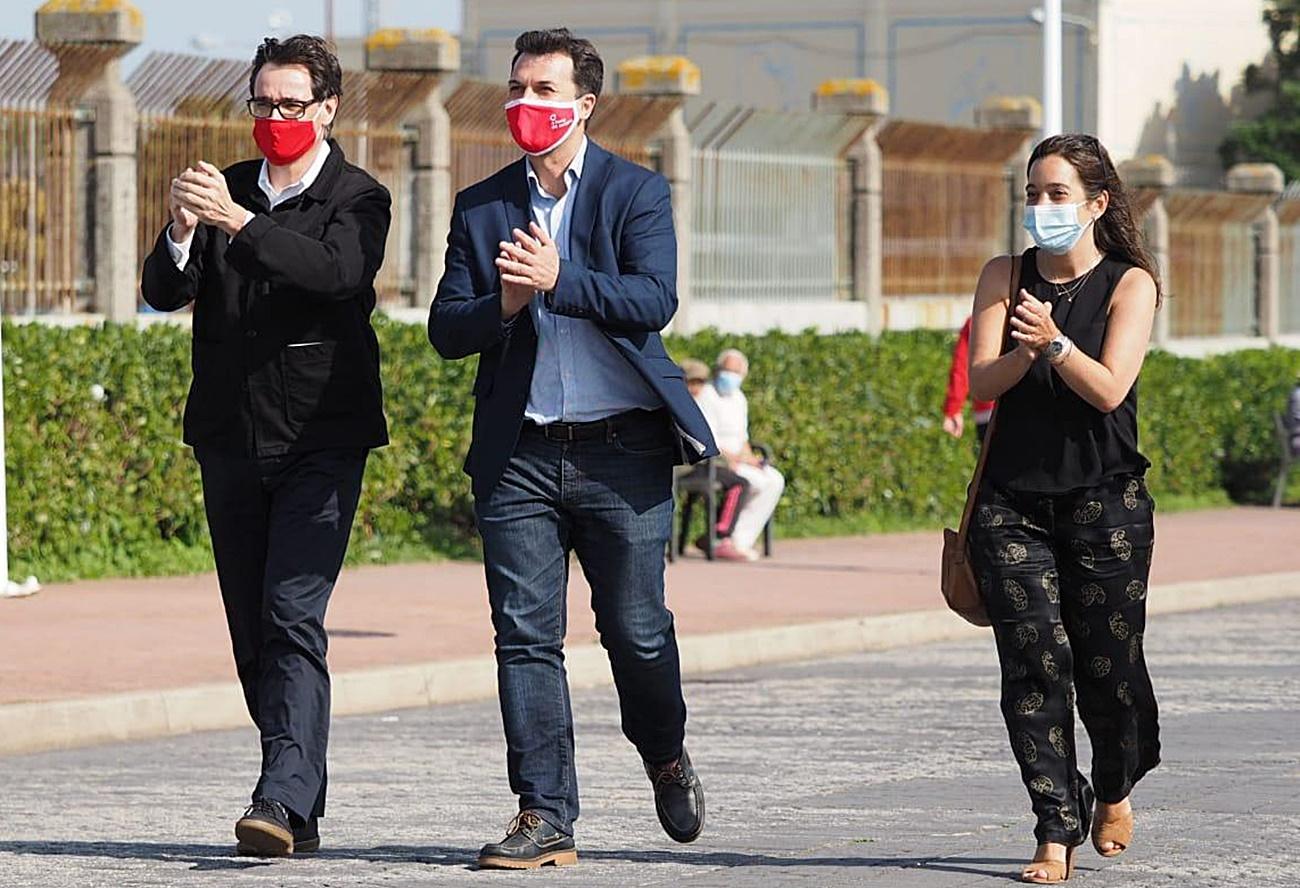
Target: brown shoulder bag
[(957, 579)]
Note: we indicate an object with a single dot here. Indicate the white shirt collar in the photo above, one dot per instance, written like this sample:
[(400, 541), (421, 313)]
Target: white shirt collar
[(574, 170), (293, 190)]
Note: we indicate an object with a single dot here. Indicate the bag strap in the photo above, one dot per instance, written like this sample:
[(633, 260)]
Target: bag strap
[(973, 490)]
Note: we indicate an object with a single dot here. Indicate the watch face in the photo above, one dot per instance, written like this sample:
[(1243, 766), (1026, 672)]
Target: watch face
[(1055, 347)]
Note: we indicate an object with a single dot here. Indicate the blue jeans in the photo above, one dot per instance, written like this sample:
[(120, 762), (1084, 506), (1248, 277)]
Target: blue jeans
[(610, 502)]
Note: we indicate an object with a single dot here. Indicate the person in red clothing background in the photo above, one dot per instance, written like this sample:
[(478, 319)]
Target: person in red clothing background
[(954, 401)]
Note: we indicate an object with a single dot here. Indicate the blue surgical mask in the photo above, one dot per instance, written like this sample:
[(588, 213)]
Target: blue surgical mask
[(727, 382), (1055, 227)]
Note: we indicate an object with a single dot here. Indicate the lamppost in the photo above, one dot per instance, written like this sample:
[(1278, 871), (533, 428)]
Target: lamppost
[(1050, 16)]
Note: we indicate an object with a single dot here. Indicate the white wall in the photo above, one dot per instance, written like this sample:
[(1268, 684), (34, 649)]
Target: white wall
[(1167, 75)]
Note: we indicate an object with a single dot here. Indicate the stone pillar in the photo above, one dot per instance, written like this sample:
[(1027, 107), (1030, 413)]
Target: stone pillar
[(436, 53), (868, 101), (671, 77), (1022, 114), (89, 45), (1264, 178), (1154, 173)]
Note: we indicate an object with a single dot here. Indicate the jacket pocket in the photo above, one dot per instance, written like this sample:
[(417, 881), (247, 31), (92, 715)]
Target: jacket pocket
[(319, 383)]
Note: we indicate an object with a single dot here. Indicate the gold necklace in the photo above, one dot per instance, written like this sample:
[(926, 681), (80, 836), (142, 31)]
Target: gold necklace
[(1069, 292)]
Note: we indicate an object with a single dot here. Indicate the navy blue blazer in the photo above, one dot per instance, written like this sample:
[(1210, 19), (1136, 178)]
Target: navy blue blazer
[(622, 275)]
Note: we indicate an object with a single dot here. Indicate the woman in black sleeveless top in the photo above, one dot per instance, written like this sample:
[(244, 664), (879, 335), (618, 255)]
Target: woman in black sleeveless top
[(1062, 537)]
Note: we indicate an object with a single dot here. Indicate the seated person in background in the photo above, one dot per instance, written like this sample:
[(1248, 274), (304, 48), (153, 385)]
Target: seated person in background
[(1292, 416), (735, 489), (727, 411)]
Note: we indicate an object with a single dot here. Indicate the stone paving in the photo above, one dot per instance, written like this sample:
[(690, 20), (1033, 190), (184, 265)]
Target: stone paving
[(880, 769)]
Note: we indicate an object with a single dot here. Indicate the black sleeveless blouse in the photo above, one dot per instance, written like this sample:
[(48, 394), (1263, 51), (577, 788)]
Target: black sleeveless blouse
[(1048, 439)]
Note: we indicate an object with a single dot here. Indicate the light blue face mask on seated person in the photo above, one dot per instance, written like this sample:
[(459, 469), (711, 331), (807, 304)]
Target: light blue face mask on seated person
[(727, 382), (1055, 227)]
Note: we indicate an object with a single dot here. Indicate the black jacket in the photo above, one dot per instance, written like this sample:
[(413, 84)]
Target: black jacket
[(284, 355)]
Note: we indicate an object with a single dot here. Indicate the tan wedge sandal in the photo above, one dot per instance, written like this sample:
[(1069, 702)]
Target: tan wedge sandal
[(1053, 870), (1118, 832)]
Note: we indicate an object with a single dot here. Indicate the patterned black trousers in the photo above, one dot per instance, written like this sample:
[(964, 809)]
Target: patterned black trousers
[(1064, 578)]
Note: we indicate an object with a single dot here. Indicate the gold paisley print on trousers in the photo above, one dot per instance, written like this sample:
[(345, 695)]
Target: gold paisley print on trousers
[(1118, 627), (1092, 594), (1029, 703), (1123, 694), (1088, 512), (1015, 553), (1134, 648), (1027, 748), (1131, 495), (1042, 783), (1026, 634), (1135, 590), (1100, 667), (1120, 545), (1049, 666), (1059, 635), (1056, 736), (1016, 594), (1052, 586)]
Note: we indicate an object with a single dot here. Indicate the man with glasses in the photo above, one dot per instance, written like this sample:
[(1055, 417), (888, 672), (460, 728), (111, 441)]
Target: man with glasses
[(278, 257)]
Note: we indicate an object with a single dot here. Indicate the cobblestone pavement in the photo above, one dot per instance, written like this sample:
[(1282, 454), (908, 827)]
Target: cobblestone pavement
[(883, 769)]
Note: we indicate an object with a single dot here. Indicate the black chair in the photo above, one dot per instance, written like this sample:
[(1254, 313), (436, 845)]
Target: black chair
[(1288, 458), (700, 485)]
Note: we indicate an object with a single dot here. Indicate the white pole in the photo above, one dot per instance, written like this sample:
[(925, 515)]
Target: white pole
[(1051, 67), (8, 589)]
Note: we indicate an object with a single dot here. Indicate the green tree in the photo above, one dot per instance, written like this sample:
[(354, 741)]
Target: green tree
[(1275, 135)]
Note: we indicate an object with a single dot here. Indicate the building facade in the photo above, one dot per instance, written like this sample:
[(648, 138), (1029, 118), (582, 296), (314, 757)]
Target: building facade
[(1148, 76)]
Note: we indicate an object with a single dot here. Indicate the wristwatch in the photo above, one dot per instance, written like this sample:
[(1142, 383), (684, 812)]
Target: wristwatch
[(1058, 349)]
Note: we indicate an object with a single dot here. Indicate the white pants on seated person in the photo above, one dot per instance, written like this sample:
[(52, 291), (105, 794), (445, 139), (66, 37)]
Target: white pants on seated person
[(765, 487)]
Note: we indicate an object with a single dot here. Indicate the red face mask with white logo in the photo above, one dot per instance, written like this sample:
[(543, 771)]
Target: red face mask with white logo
[(540, 127)]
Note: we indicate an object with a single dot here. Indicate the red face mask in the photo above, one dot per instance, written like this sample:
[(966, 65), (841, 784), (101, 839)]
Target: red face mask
[(540, 127), (284, 141)]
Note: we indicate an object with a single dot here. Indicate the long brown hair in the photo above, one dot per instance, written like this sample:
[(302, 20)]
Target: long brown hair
[(1116, 232)]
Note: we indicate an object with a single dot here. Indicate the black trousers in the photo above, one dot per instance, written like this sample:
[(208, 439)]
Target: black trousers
[(1065, 582), (280, 528)]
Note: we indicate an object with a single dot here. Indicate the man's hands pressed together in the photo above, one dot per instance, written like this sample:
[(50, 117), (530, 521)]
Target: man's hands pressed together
[(528, 266), (200, 194)]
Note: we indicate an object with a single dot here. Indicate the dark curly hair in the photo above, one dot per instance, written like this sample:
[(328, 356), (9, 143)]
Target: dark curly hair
[(313, 53), (1117, 232), (588, 69)]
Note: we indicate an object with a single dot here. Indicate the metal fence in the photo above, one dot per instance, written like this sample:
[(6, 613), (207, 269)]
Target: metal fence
[(770, 203), (946, 194), (1288, 217), (1212, 262), (192, 109), (44, 247)]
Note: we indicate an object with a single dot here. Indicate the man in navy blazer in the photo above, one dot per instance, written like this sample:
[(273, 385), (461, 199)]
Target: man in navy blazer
[(560, 273)]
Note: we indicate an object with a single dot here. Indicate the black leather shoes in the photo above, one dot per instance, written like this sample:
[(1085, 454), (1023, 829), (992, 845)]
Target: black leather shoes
[(264, 830), (679, 798), (531, 841)]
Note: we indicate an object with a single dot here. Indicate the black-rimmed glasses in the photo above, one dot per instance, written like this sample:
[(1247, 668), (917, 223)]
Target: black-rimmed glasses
[(290, 109)]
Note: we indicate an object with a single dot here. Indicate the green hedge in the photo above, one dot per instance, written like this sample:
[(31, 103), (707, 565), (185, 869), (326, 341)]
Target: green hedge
[(102, 486)]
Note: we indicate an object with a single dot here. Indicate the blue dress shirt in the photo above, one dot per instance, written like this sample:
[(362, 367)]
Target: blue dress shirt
[(578, 376)]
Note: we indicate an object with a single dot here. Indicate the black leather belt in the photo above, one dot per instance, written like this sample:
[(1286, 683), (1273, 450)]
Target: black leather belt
[(597, 429)]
